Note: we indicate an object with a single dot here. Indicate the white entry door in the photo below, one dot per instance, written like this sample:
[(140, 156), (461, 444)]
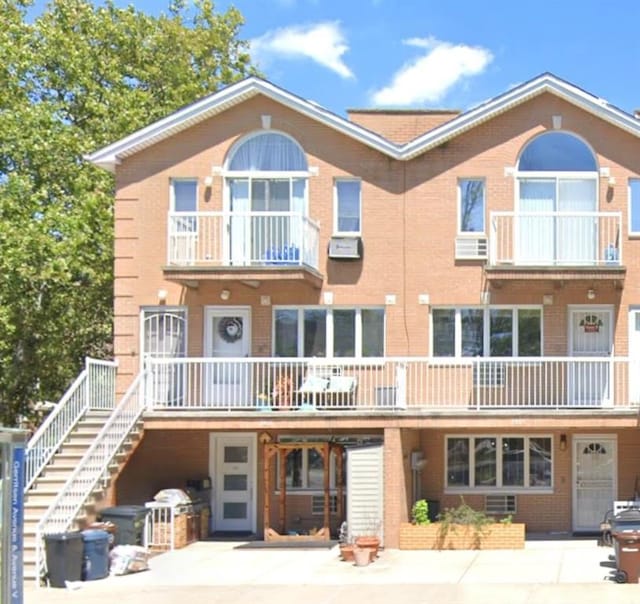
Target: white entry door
[(233, 470), (595, 485), (227, 377), (590, 381)]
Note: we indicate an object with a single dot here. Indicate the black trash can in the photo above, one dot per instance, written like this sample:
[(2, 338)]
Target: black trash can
[(129, 521), (95, 562), (434, 509), (64, 557)]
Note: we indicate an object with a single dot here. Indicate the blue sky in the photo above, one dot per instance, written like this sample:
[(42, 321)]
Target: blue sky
[(428, 54)]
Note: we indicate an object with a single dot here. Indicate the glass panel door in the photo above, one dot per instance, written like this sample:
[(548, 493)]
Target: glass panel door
[(234, 483)]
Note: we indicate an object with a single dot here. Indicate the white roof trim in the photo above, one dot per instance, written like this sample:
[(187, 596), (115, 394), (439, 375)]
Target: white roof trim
[(109, 156), (512, 98)]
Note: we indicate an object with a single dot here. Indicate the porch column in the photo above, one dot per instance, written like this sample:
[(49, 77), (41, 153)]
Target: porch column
[(396, 497)]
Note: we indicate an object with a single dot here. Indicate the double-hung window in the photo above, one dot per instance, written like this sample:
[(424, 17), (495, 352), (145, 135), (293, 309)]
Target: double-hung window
[(329, 332), (471, 206), (498, 462), (634, 206), (183, 221), (347, 207)]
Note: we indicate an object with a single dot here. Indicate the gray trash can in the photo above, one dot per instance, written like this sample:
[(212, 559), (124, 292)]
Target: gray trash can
[(95, 558), (129, 521), (64, 557)]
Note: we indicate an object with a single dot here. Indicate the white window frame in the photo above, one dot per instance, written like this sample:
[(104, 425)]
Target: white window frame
[(632, 233), (472, 234), (486, 327), (329, 327), (471, 489), (336, 207), (190, 220)]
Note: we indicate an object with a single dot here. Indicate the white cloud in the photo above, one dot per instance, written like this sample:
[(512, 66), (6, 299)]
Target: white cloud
[(428, 78), (323, 43)]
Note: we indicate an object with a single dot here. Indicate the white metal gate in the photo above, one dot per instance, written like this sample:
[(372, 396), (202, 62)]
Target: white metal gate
[(164, 337)]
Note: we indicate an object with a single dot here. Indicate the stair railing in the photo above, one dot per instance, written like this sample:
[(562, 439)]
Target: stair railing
[(93, 466), (94, 388)]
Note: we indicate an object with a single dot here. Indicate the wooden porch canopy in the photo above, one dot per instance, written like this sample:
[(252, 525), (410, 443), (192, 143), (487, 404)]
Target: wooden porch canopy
[(282, 450)]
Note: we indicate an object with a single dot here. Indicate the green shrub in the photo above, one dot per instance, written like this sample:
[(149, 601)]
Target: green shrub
[(420, 512)]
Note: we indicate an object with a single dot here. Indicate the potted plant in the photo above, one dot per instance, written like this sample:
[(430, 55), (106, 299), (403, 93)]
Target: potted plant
[(346, 546), (369, 538)]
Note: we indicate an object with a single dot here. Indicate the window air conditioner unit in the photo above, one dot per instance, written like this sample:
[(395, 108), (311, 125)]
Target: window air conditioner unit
[(345, 248)]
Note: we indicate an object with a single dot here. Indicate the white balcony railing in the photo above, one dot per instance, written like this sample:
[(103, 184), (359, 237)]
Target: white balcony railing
[(555, 239), (242, 239), (392, 383)]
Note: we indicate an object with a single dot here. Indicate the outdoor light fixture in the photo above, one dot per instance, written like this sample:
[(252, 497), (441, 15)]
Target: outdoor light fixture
[(225, 294), (591, 294), (162, 295), (563, 442)]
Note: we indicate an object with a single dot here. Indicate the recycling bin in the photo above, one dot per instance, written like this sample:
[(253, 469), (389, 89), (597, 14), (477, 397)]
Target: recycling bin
[(628, 556), (64, 557), (625, 520), (95, 557), (129, 521)]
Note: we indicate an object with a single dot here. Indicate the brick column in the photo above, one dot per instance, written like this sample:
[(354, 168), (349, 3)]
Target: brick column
[(395, 485)]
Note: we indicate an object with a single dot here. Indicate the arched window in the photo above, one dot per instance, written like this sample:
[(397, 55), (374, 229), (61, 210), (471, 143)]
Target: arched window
[(559, 152), (556, 202), (266, 178), (268, 152)]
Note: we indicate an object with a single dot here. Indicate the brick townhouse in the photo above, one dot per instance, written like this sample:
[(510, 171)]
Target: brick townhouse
[(336, 316)]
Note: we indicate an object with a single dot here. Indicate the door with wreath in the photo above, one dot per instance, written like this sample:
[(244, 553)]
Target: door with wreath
[(227, 374)]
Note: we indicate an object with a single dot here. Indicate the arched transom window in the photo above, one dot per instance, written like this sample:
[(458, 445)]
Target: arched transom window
[(266, 179), (556, 202)]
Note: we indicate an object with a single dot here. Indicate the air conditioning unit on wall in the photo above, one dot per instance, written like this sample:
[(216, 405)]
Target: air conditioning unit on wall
[(345, 248)]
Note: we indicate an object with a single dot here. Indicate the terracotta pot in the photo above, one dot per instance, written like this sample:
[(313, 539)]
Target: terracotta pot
[(362, 556), (371, 542), (346, 552)]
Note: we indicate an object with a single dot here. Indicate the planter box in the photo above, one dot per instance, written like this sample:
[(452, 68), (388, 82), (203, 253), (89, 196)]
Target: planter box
[(432, 536)]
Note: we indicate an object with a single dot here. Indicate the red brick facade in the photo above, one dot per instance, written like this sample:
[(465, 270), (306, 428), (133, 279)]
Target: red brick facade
[(409, 227)]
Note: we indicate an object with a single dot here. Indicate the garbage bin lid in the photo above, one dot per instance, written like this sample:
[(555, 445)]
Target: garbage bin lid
[(125, 511), (70, 536), (95, 535), (629, 514)]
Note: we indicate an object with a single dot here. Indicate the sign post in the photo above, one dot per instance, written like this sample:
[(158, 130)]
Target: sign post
[(12, 457)]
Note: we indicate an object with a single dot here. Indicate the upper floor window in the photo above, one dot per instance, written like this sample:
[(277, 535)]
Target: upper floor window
[(556, 202), (268, 152), (471, 205), (557, 152), (184, 199), (486, 332), (634, 206), (329, 332), (347, 206), (266, 180)]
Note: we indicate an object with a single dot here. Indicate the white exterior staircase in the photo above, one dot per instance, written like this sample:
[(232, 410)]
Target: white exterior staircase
[(73, 457)]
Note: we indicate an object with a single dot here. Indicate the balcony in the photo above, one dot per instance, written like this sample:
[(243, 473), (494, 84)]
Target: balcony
[(393, 384), (578, 245), (246, 245)]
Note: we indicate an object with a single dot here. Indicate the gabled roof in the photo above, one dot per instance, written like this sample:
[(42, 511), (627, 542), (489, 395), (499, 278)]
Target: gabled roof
[(108, 157), (546, 82)]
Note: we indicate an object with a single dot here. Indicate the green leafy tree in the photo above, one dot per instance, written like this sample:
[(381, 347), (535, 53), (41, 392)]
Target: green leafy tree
[(78, 77)]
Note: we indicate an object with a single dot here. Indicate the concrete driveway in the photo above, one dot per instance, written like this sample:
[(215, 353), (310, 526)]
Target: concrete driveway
[(545, 571)]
